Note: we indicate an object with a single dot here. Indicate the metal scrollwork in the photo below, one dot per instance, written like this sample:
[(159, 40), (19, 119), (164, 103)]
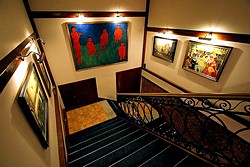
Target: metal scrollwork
[(194, 123)]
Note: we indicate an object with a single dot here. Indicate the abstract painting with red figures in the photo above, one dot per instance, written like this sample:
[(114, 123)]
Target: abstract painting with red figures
[(206, 60), (98, 43)]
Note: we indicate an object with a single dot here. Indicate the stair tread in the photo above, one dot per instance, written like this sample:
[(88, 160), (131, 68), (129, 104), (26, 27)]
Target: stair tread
[(124, 150), (87, 158), (168, 157), (143, 154), (95, 127), (119, 143), (88, 141), (193, 161), (81, 150), (93, 131)]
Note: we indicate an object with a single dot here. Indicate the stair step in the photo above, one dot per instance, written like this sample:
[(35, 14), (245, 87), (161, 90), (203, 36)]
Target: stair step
[(87, 141), (143, 154), (168, 157), (82, 150), (95, 127), (124, 150), (192, 161), (94, 131), (116, 143), (83, 158)]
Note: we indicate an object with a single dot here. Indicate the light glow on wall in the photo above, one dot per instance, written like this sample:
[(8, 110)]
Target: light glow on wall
[(20, 73), (167, 34), (118, 18)]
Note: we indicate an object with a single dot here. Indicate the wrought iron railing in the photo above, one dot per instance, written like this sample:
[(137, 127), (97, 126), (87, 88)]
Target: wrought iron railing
[(199, 123)]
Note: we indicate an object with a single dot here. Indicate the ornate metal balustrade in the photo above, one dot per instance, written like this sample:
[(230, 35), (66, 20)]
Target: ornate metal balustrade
[(199, 123)]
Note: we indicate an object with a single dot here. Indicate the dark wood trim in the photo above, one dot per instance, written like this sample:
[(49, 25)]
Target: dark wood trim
[(61, 147), (145, 33), (69, 14), (128, 81), (242, 38), (32, 22), (167, 81), (49, 71), (31, 18), (10, 62)]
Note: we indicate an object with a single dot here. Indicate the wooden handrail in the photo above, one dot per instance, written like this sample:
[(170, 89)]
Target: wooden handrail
[(229, 96)]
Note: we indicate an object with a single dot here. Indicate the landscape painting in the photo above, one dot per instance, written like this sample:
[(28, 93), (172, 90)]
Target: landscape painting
[(34, 104), (164, 48)]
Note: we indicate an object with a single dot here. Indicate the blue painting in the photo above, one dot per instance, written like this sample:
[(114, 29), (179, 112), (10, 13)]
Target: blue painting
[(98, 44)]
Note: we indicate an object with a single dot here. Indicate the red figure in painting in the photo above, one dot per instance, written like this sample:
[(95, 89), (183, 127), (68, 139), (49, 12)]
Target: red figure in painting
[(76, 43), (91, 47), (211, 66), (104, 39), (122, 51), (118, 34)]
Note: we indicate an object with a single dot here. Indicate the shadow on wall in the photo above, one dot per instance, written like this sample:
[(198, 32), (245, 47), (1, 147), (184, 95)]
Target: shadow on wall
[(244, 87), (22, 126)]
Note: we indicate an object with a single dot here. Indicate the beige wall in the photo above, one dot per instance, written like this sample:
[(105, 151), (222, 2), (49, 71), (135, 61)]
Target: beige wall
[(58, 50), (207, 15), (187, 15), (88, 5), (12, 18), (19, 144)]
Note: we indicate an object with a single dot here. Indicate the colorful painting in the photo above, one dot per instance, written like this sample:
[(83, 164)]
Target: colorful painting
[(164, 48), (34, 104), (98, 44), (206, 60)]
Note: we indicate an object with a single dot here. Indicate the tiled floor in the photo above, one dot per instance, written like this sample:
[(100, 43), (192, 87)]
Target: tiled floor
[(87, 116)]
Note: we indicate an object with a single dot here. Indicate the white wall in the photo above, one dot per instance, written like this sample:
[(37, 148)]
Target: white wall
[(58, 50), (11, 33), (88, 5), (188, 15), (207, 15), (19, 144)]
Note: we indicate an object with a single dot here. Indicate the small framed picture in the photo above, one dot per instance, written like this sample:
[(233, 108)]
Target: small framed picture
[(164, 48), (34, 104), (206, 60)]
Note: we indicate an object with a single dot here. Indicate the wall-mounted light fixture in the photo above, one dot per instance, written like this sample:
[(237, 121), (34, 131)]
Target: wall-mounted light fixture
[(207, 37), (43, 42), (118, 17), (29, 49), (39, 59), (167, 31), (80, 17)]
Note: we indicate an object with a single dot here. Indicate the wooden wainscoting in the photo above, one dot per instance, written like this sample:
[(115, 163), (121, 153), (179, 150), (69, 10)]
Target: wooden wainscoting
[(78, 94), (128, 81)]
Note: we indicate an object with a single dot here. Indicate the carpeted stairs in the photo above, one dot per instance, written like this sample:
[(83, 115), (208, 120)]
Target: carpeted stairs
[(117, 143)]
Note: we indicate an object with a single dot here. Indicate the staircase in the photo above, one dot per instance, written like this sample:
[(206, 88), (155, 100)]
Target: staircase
[(118, 143)]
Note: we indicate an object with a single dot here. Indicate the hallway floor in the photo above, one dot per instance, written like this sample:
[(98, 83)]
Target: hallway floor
[(90, 115)]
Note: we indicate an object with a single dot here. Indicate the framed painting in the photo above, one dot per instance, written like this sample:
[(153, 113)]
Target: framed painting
[(43, 72), (34, 104), (164, 48), (206, 60), (98, 43)]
